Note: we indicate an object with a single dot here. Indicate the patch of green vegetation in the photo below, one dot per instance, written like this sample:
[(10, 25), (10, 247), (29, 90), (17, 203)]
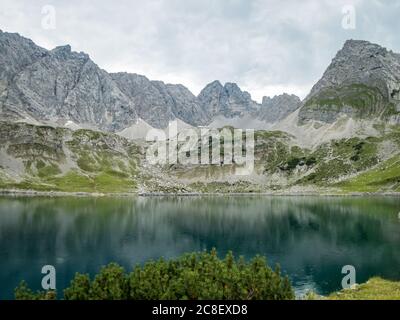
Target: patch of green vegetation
[(356, 100), (70, 182), (108, 182), (96, 162), (390, 111), (295, 162), (274, 154), (373, 289), (74, 181), (107, 169), (385, 177), (194, 276), (392, 134), (47, 170), (83, 134), (27, 185), (339, 158), (116, 182), (3, 181), (260, 135), (99, 162), (34, 150), (225, 187), (102, 162)]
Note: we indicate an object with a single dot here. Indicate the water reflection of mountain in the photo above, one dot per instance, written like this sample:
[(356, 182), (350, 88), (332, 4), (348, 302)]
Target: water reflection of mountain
[(310, 237)]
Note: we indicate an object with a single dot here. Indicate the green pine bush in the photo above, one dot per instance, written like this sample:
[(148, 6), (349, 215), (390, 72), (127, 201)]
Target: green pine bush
[(193, 276)]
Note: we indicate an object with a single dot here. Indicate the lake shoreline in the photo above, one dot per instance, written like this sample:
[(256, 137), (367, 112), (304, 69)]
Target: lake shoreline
[(34, 193)]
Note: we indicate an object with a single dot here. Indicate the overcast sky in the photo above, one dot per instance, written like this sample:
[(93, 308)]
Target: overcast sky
[(266, 46)]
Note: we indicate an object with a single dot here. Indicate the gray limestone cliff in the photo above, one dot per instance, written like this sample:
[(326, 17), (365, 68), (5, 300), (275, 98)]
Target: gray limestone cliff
[(363, 81), (278, 107)]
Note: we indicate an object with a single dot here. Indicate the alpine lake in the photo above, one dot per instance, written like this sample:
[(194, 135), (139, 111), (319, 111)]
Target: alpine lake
[(310, 237)]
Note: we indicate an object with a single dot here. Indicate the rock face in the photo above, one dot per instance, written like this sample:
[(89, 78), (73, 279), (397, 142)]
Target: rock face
[(62, 87), (228, 100), (158, 103), (365, 63), (278, 107), (16, 53), (363, 80)]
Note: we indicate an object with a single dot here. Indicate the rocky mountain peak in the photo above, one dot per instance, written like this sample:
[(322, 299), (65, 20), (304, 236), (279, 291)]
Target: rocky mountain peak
[(358, 45), (278, 107), (234, 90), (61, 85), (283, 96), (62, 49), (65, 52), (265, 100), (158, 103), (16, 53), (232, 87), (363, 80), (214, 86), (58, 86), (362, 62), (228, 100)]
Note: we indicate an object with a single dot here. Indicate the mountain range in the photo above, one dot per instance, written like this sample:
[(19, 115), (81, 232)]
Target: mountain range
[(363, 81), (60, 86), (68, 125)]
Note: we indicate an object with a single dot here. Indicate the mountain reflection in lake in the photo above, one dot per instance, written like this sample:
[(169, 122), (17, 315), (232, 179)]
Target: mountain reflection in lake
[(310, 237)]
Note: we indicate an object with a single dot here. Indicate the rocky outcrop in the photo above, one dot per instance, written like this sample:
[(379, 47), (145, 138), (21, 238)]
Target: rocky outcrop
[(61, 85), (362, 62), (66, 88), (363, 80), (278, 107), (57, 159), (158, 103), (16, 53), (228, 100), (48, 159)]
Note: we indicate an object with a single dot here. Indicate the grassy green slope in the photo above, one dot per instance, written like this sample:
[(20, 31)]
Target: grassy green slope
[(355, 100), (385, 177), (374, 289), (55, 159), (360, 164)]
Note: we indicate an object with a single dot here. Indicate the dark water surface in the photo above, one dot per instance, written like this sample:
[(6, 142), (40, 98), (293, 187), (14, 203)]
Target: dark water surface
[(310, 237)]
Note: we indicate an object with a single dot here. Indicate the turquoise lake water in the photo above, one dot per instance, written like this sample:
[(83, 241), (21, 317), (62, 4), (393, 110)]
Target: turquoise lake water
[(312, 238)]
